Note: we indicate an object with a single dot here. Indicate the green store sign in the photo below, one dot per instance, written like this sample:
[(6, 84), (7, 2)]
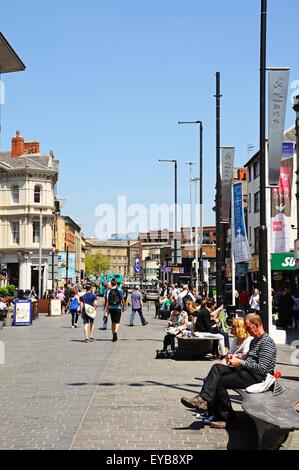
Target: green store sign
[(283, 262)]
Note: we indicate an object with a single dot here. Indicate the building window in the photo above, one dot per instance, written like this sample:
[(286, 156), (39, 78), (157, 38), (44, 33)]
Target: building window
[(250, 235), (37, 194), (36, 232), (15, 232), (257, 202), (257, 240), (15, 194), (256, 169), (249, 202)]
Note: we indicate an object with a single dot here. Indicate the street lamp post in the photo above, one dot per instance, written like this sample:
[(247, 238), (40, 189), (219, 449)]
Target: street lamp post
[(200, 188), (296, 109), (175, 207), (190, 163), (195, 179), (263, 250)]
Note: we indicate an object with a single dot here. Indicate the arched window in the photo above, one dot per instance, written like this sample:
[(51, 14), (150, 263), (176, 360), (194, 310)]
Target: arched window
[(37, 194), (15, 194)]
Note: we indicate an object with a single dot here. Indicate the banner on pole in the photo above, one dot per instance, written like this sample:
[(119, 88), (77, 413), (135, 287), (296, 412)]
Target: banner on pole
[(281, 202), (227, 174), (278, 91), (240, 241)]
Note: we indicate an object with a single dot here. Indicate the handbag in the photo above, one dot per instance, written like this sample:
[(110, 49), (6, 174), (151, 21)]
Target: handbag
[(90, 311)]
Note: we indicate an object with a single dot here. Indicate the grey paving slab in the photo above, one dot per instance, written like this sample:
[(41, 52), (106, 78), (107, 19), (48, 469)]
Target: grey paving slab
[(60, 393)]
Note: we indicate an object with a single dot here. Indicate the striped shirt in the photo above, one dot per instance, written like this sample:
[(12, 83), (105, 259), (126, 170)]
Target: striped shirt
[(262, 354)]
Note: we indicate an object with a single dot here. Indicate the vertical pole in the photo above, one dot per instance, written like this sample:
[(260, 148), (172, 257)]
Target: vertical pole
[(191, 227), (40, 255), (232, 248), (296, 109), (176, 214), (218, 197), (67, 266), (201, 204), (263, 254), (53, 271), (196, 236)]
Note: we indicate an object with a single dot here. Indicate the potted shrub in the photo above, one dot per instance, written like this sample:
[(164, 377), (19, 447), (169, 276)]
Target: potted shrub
[(3, 297), (9, 316)]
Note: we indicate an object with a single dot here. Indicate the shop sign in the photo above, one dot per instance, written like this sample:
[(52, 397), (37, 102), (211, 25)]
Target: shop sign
[(283, 261), (23, 313), (254, 264)]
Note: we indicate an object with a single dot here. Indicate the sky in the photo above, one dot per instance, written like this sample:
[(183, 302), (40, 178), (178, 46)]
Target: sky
[(107, 81)]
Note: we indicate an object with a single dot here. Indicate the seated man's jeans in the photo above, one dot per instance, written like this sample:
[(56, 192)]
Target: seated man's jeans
[(218, 381)]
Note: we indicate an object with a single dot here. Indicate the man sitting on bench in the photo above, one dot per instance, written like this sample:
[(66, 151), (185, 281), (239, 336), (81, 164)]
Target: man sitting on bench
[(239, 374)]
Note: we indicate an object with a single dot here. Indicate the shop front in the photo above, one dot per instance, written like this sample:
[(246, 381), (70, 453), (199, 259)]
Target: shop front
[(283, 271)]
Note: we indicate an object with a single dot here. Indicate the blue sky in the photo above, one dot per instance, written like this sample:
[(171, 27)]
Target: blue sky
[(107, 81)]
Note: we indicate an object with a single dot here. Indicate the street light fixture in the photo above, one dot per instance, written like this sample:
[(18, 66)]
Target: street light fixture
[(190, 163), (200, 185), (175, 208)]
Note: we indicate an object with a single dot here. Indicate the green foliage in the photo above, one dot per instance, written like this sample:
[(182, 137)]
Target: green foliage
[(11, 290), (96, 264), (3, 292)]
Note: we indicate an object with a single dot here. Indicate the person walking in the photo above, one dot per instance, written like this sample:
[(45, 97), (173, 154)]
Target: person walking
[(90, 299), (74, 307), (254, 301), (137, 306), (114, 307)]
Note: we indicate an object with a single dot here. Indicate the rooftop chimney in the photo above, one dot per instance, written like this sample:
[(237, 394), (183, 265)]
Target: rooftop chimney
[(17, 145)]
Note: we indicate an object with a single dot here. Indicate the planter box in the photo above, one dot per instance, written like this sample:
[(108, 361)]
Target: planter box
[(43, 306)]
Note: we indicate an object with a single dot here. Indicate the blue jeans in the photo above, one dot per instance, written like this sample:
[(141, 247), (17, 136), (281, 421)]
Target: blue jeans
[(139, 310)]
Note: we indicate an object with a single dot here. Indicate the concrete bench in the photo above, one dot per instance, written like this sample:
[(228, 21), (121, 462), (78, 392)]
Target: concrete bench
[(194, 347), (275, 414)]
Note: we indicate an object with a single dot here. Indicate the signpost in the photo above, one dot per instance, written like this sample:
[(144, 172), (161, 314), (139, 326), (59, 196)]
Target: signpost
[(23, 313)]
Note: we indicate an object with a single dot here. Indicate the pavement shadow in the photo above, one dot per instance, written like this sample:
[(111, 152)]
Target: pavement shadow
[(241, 432), (195, 426), (174, 386)]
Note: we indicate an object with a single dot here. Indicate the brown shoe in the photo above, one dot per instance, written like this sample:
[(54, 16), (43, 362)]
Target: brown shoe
[(195, 402), (218, 424)]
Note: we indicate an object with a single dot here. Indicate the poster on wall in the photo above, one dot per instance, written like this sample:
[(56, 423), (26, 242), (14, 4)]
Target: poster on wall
[(23, 313), (67, 265), (281, 202)]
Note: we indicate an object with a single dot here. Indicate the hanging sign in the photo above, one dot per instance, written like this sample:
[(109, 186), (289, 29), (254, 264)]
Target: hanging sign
[(227, 174), (278, 91)]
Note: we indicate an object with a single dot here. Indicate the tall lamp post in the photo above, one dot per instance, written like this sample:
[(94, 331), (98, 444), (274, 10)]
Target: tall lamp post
[(195, 179), (263, 250), (296, 109), (175, 207), (200, 188), (190, 163)]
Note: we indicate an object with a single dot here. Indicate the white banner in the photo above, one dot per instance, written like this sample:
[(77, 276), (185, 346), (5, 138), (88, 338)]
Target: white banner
[(227, 174), (278, 91)]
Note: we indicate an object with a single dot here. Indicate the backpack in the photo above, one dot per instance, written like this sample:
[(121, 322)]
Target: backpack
[(114, 297), (74, 304)]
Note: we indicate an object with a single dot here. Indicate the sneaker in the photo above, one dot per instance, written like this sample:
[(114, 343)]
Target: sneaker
[(218, 424), (76, 326), (91, 340), (131, 325), (103, 328), (195, 402), (73, 326), (114, 337), (145, 323)]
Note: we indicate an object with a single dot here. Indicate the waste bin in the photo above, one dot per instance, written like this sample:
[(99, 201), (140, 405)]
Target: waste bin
[(34, 310)]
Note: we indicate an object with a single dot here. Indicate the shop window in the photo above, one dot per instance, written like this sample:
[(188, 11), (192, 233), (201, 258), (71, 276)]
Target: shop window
[(36, 232)]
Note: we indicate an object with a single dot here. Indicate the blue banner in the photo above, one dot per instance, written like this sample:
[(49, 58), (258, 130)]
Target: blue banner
[(137, 265), (240, 242)]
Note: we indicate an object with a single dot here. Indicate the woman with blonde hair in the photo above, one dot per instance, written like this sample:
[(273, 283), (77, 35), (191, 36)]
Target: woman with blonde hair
[(241, 342)]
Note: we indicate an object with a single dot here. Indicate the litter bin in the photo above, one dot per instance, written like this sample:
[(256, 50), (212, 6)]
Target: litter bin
[(34, 310)]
